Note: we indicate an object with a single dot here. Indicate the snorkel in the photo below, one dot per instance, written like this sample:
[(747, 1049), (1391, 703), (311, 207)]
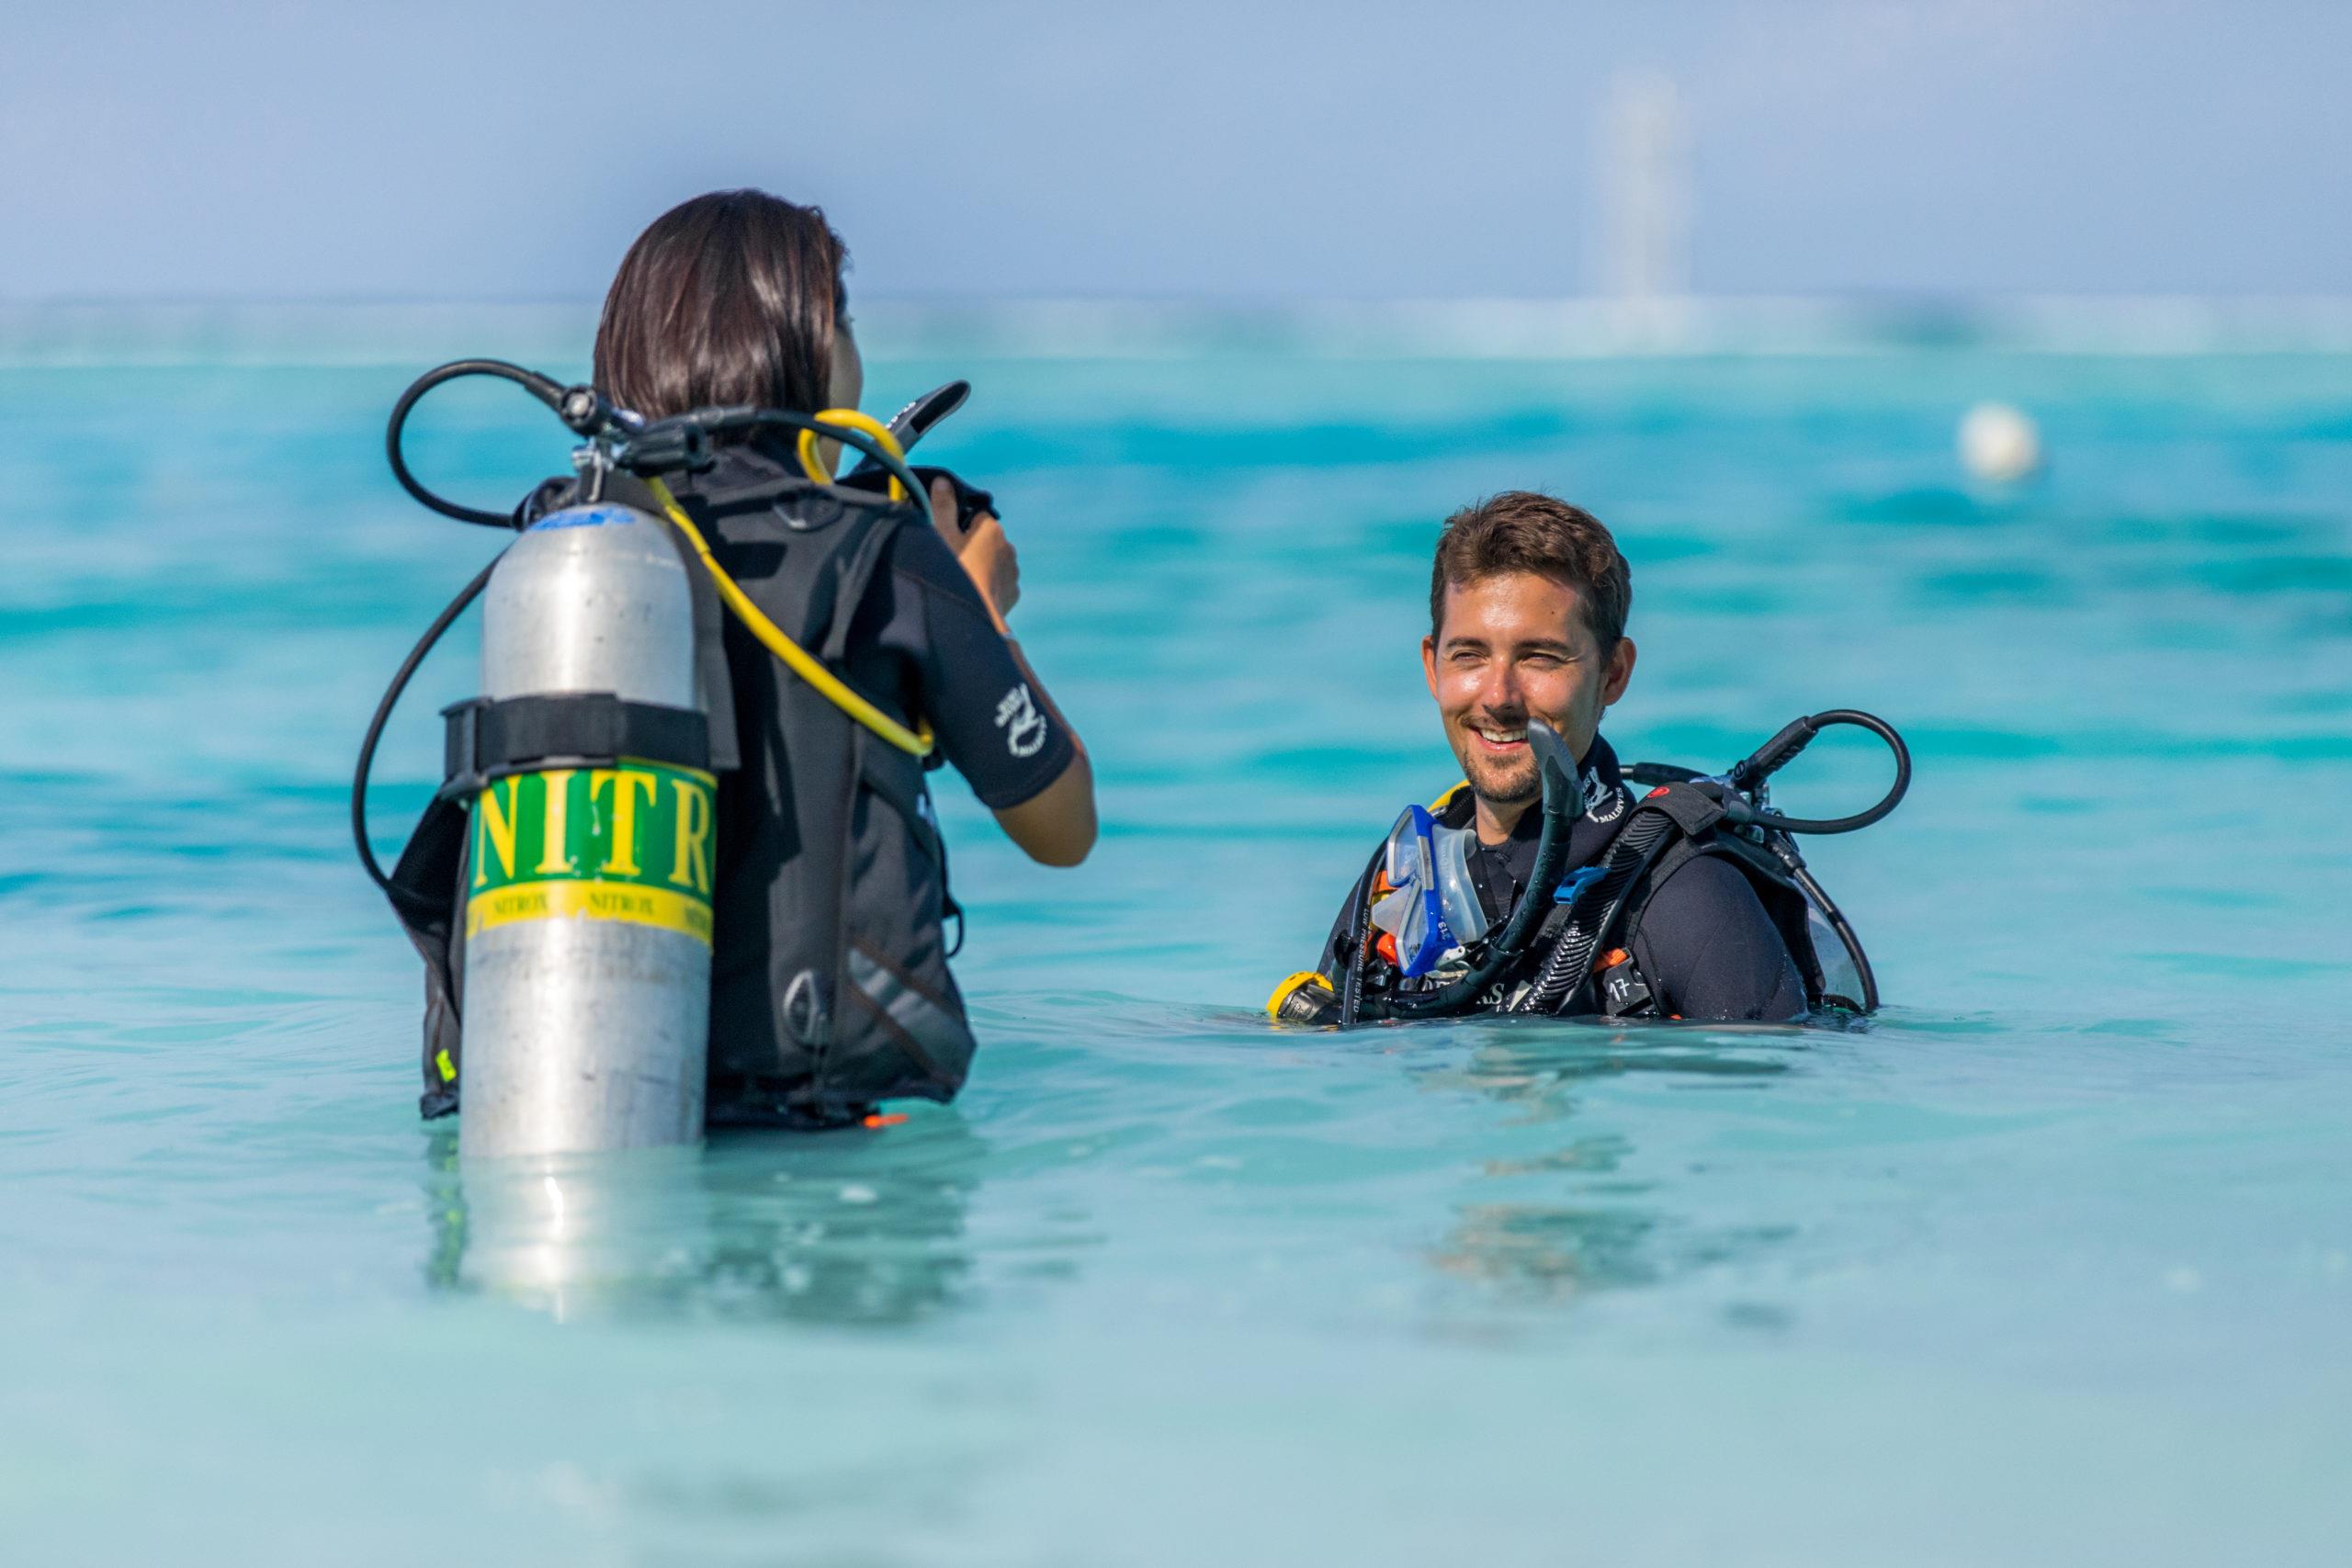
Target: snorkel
[(1563, 802)]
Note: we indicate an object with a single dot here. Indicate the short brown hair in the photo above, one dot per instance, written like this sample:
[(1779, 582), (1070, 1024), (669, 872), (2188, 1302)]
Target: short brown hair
[(1524, 530), (730, 298)]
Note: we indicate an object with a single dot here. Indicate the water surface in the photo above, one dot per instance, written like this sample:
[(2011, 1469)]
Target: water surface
[(2050, 1262)]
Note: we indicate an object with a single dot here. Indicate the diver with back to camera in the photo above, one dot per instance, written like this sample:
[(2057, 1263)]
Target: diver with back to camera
[(1541, 883), (746, 858)]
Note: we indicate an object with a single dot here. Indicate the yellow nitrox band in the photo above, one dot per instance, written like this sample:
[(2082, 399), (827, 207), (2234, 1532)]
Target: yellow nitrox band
[(637, 906), (631, 842)]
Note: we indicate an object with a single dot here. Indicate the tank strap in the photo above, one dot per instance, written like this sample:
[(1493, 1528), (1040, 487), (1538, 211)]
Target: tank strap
[(487, 740)]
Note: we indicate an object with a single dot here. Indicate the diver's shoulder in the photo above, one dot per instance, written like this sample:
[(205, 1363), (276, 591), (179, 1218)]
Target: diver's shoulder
[(1707, 886), (920, 558)]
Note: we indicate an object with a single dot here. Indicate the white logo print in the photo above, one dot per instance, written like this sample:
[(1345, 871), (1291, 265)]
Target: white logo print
[(1024, 725), (1601, 803)]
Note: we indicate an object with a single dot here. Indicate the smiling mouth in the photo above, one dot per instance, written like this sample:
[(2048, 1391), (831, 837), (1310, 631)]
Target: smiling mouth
[(1500, 738)]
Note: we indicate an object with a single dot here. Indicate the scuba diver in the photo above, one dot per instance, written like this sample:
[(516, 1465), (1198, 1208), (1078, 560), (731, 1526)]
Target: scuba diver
[(1541, 882), (767, 816)]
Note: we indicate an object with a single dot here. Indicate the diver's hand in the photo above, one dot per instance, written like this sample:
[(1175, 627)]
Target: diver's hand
[(987, 554)]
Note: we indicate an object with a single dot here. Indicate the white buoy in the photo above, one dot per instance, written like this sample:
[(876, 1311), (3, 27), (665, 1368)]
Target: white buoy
[(1999, 444)]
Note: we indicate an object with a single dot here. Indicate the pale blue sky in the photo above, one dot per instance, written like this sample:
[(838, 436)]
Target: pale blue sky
[(488, 151)]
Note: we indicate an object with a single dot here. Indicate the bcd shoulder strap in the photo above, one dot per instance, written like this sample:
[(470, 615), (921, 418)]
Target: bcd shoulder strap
[(1667, 816)]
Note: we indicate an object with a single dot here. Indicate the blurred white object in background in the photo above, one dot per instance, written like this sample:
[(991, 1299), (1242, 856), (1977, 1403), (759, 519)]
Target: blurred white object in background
[(1643, 232), (1999, 444), (1642, 257)]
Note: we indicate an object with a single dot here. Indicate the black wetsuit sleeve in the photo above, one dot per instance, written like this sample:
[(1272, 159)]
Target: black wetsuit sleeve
[(986, 720), (1709, 951)]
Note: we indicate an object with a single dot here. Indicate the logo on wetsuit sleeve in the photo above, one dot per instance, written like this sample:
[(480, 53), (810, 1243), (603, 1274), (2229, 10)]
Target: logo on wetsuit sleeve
[(1024, 725)]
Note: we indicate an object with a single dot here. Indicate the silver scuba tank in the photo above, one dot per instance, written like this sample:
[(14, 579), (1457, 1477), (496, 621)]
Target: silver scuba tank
[(586, 995)]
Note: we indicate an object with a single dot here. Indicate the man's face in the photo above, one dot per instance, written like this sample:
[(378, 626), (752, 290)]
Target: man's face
[(1512, 647)]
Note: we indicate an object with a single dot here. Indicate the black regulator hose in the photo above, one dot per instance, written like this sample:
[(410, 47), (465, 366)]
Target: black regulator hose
[(642, 446), (547, 389), (1844, 929), (1749, 773), (654, 446), (384, 712), (1777, 752)]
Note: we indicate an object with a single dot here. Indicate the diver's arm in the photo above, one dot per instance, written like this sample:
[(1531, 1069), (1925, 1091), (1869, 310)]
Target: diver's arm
[(1056, 826)]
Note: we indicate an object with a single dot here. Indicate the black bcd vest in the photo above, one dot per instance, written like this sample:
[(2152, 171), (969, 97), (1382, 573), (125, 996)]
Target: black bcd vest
[(1682, 825)]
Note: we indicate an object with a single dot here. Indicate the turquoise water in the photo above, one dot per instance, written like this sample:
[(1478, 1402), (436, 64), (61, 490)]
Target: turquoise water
[(2051, 1262)]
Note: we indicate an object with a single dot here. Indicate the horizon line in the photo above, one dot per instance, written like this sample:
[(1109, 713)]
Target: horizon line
[(162, 333)]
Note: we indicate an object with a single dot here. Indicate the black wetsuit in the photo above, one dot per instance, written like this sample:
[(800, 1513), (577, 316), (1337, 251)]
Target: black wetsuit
[(1705, 944), (923, 635)]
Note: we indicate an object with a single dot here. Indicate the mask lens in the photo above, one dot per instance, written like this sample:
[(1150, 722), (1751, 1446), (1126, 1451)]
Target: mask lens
[(1396, 855), (1457, 892), (1405, 859)]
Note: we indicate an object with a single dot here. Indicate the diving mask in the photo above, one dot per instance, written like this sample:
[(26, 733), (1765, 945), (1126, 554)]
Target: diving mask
[(1431, 906)]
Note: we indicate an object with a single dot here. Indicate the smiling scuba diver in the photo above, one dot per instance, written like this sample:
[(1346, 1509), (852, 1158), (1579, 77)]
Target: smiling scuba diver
[(1526, 651)]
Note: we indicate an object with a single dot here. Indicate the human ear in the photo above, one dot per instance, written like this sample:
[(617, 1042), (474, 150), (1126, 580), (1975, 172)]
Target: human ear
[(847, 372), (1428, 663), (1621, 670)]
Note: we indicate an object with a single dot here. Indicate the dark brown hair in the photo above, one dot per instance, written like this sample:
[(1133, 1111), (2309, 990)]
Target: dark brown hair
[(1521, 530), (731, 298)]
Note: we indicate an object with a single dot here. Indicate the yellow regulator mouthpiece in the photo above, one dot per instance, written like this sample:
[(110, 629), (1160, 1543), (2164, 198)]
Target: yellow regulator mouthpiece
[(850, 419)]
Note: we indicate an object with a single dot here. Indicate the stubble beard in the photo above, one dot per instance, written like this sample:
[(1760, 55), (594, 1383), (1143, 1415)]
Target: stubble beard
[(1499, 783)]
